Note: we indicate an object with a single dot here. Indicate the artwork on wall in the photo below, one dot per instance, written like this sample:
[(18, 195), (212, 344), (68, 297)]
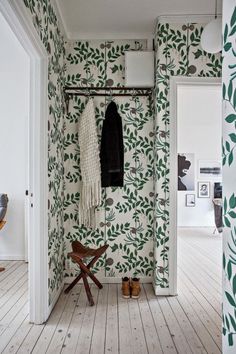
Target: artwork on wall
[(209, 168), (203, 189), (186, 172), (190, 200)]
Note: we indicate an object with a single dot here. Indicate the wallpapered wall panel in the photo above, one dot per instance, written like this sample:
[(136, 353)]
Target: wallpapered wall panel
[(178, 53), (126, 215), (46, 24), (229, 169)]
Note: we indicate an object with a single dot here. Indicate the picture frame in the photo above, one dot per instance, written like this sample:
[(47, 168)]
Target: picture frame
[(186, 172), (209, 169), (203, 189), (190, 200)]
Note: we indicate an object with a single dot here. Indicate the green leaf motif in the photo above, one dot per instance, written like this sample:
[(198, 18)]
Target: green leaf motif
[(226, 31), (233, 30), (230, 299), (225, 205), (232, 201), (231, 118), (224, 90), (233, 137), (224, 261), (227, 222), (233, 323), (233, 18), (231, 158), (227, 145), (229, 270), (234, 285), (230, 339), (230, 90), (227, 46), (232, 214)]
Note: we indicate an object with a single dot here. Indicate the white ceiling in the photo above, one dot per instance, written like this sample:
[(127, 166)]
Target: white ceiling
[(85, 19)]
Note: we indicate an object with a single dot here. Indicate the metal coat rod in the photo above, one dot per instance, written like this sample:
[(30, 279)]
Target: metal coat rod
[(106, 94), (92, 91), (144, 91)]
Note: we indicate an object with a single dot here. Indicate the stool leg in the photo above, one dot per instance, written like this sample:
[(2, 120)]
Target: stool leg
[(87, 289), (75, 281), (97, 282), (90, 274)]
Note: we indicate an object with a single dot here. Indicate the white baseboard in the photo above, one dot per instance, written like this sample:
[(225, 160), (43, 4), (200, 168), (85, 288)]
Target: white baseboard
[(12, 258), (162, 291), (110, 280), (54, 301)]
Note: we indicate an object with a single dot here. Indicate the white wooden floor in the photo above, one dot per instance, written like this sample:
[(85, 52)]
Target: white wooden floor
[(189, 323)]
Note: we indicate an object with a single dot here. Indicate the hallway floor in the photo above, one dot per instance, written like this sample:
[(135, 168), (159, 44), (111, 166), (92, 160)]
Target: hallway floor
[(189, 323)]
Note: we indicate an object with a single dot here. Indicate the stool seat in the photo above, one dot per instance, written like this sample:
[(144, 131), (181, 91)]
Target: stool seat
[(84, 252), (79, 252)]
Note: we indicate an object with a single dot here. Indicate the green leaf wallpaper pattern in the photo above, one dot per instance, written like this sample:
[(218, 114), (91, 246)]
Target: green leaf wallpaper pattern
[(126, 215), (229, 167), (46, 24), (178, 53)]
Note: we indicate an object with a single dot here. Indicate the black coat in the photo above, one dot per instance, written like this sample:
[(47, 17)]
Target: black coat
[(112, 148)]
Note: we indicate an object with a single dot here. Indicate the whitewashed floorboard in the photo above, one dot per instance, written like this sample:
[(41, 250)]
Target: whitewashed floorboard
[(112, 331), (86, 334), (72, 337), (149, 328), (60, 332), (166, 338), (99, 329)]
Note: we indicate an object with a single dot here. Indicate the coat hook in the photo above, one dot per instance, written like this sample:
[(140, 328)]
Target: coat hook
[(111, 94), (67, 102), (133, 94)]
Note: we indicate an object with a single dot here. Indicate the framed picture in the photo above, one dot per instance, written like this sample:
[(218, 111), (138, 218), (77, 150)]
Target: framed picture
[(209, 169), (190, 200), (186, 177), (203, 189)]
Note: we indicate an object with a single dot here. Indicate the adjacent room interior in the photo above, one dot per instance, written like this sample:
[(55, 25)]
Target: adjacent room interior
[(14, 136)]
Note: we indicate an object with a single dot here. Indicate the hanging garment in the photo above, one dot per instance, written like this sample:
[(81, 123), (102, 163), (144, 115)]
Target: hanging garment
[(90, 166), (112, 148)]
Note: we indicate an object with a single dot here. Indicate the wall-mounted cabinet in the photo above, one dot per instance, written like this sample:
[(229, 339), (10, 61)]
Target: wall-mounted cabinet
[(139, 69)]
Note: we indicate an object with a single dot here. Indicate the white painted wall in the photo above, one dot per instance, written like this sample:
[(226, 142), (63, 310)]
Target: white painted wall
[(14, 107), (199, 131)]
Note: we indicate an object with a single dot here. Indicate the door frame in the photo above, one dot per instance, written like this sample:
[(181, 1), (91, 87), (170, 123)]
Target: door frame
[(175, 81), (20, 21)]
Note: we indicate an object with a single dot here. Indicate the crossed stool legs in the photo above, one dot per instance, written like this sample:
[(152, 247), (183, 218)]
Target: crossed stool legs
[(79, 253)]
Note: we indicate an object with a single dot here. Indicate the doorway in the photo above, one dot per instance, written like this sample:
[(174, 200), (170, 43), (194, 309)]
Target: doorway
[(194, 138), (15, 14), (196, 238)]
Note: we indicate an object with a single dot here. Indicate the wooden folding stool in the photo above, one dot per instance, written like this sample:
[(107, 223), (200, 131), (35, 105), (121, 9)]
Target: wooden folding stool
[(78, 254)]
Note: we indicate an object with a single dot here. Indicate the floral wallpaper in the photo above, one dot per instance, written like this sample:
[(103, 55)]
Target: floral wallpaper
[(178, 52), (229, 168), (46, 24), (126, 214)]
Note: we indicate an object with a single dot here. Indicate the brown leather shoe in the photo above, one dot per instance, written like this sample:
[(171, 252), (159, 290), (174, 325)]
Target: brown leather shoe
[(135, 288), (125, 288)]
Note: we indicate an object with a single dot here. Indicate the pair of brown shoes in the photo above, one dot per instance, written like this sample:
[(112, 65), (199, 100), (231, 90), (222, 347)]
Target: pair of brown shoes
[(130, 288)]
